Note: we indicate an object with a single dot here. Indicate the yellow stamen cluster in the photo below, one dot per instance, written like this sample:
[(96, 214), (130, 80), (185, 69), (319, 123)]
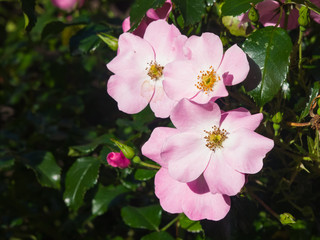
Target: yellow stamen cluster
[(215, 138), (207, 80), (155, 70)]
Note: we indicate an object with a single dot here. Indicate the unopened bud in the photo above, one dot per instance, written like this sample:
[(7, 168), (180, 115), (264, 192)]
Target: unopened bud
[(116, 159), (253, 15), (127, 151), (304, 16), (136, 159), (276, 126), (277, 118)]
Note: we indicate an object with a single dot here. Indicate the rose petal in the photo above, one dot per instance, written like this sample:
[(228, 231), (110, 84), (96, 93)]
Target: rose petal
[(268, 12), (126, 24), (177, 197), (160, 13), (188, 115), (234, 63), (160, 104), (153, 146), (161, 36), (131, 94), (221, 178), (244, 150), (179, 81), (206, 206), (134, 54), (206, 50), (169, 191), (187, 156), (219, 90), (233, 120)]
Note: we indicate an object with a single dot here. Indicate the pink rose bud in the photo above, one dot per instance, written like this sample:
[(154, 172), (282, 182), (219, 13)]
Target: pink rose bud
[(67, 5), (117, 159)]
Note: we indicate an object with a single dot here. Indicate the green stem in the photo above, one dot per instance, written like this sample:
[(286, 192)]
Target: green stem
[(172, 222), (300, 48), (149, 165), (280, 16), (273, 213)]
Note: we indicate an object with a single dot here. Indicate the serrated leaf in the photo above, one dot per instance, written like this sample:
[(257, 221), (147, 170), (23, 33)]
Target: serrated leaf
[(28, 8), (236, 7), (86, 40), (144, 174), (314, 92), (145, 217), (80, 150), (270, 49), (80, 177), (189, 225), (139, 9), (45, 167), (104, 196), (158, 236), (191, 10)]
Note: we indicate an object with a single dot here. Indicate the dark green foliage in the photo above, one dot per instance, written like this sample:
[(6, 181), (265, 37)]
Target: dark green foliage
[(270, 49), (192, 11), (57, 122), (139, 9)]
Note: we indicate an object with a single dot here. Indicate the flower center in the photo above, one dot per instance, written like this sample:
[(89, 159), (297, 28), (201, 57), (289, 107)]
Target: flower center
[(215, 138), (207, 80), (155, 70)]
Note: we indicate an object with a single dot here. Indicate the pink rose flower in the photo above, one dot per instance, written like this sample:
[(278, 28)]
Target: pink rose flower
[(269, 11), (193, 198), (151, 15), (220, 146), (117, 159), (315, 16), (67, 5), (138, 68), (204, 75), (269, 14)]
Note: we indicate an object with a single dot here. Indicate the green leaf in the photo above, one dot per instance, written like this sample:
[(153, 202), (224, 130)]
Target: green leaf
[(45, 167), (104, 196), (310, 144), (111, 41), (86, 40), (314, 92), (191, 10), (144, 174), (145, 217), (54, 27), (286, 218), (189, 225), (80, 177), (270, 49), (81, 150), (236, 7), (139, 9), (30, 17), (158, 236)]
